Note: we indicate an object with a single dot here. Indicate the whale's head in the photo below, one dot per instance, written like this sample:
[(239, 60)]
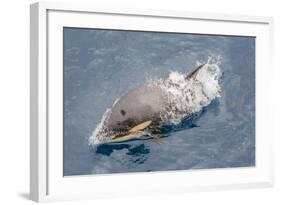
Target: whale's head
[(130, 116), (119, 131)]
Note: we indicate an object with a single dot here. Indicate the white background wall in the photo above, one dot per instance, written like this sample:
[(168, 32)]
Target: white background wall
[(14, 101)]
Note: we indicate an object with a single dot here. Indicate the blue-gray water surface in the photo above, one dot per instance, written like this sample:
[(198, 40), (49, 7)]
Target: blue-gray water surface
[(102, 65)]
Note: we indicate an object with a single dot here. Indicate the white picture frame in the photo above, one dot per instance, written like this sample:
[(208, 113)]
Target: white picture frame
[(46, 179)]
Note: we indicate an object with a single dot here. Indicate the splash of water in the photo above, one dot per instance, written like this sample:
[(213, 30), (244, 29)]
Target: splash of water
[(189, 96), (94, 139)]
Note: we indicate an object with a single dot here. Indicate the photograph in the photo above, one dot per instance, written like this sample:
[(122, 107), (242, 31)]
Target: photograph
[(148, 101)]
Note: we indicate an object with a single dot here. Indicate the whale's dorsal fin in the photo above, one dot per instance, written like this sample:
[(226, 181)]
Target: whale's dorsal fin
[(194, 72)]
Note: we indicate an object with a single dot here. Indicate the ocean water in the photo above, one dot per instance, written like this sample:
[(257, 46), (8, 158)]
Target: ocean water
[(102, 65)]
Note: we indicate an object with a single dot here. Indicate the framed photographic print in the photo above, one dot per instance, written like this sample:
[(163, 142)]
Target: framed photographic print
[(128, 102)]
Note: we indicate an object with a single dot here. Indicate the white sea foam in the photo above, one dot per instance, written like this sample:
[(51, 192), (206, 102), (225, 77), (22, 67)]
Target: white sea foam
[(99, 135), (189, 96), (184, 97)]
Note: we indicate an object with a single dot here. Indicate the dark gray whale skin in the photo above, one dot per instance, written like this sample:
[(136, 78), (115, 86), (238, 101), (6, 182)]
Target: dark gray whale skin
[(141, 104)]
